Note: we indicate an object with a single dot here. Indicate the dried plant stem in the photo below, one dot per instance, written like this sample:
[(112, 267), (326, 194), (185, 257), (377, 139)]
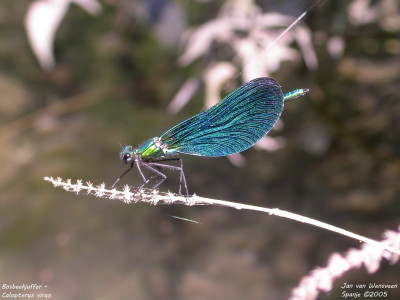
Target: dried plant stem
[(154, 197), (322, 279)]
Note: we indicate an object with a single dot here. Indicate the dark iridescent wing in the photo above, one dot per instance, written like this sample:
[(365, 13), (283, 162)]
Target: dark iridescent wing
[(231, 126)]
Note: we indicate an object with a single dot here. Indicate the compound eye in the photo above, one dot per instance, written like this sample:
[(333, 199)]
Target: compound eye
[(127, 158)]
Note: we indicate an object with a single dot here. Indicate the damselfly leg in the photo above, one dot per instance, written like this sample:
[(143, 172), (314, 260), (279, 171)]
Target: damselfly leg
[(156, 168)]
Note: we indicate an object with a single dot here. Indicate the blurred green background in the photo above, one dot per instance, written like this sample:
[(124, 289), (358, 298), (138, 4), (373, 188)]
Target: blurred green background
[(115, 74)]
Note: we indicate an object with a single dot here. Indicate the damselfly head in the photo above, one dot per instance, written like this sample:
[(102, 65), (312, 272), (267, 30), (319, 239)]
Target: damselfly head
[(126, 155)]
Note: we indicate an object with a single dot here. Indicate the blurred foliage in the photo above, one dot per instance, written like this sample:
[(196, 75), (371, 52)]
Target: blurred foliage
[(112, 83)]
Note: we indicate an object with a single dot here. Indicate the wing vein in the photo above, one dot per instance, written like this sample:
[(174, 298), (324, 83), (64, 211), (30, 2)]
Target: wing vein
[(233, 125)]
